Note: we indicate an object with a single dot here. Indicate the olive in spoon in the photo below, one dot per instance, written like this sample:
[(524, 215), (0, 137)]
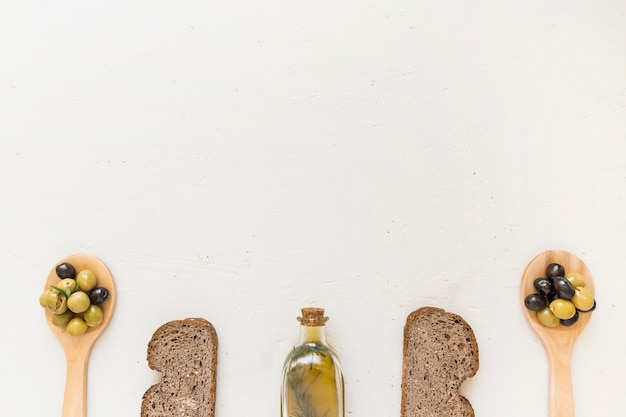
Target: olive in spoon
[(78, 348), (558, 341)]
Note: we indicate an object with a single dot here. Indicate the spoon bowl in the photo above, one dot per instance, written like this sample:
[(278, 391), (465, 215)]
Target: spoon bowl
[(78, 348), (558, 341)]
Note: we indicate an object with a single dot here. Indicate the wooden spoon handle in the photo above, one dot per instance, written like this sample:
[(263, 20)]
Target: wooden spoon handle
[(561, 393), (75, 397)]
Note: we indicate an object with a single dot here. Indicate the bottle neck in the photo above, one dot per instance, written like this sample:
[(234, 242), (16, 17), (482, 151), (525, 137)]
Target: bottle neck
[(309, 334)]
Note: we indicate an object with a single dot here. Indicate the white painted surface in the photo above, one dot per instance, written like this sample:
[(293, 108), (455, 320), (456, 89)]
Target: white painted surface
[(237, 161)]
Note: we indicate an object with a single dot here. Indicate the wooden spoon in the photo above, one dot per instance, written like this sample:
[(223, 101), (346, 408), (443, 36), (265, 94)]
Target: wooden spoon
[(78, 348), (558, 341)]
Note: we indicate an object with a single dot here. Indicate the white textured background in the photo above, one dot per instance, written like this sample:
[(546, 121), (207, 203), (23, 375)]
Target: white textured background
[(239, 160)]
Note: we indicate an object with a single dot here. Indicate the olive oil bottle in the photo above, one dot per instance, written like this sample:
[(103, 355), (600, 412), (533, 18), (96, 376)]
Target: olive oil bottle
[(312, 384)]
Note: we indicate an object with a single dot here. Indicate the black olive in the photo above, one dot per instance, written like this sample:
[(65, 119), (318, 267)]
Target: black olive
[(535, 302), (563, 287), (544, 286), (65, 270), (555, 270), (571, 320), (98, 295)]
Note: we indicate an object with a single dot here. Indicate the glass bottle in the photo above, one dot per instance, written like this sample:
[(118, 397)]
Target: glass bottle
[(312, 383)]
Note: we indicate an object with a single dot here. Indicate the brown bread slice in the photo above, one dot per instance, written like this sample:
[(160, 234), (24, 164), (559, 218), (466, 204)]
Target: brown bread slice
[(185, 353), (440, 352)]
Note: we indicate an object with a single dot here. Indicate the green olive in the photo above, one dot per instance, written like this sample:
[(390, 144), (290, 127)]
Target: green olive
[(78, 302), (67, 283), (61, 319), (563, 309), (93, 316), (576, 279), (76, 326), (547, 318), (56, 302), (86, 280), (43, 298), (583, 299)]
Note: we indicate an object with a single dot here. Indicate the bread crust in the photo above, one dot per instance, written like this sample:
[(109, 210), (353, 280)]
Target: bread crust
[(185, 353), (440, 352)]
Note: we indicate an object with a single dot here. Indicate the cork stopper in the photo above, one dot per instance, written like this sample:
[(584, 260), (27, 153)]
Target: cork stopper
[(312, 316)]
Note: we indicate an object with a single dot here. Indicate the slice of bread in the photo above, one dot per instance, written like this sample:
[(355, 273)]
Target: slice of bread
[(440, 352), (185, 353)]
